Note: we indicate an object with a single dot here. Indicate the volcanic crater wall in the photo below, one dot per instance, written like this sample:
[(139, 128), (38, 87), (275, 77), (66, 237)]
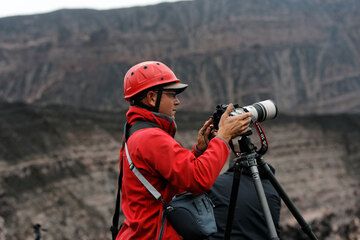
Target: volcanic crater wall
[(68, 186), (303, 54)]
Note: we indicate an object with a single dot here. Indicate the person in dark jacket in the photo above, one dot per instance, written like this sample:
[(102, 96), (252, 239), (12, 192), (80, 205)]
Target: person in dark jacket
[(249, 221)]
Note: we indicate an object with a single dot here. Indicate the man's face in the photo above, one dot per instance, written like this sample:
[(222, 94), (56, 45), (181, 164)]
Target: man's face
[(169, 103)]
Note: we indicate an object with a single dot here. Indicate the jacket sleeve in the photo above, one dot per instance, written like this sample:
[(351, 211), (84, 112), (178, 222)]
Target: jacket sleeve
[(178, 165)]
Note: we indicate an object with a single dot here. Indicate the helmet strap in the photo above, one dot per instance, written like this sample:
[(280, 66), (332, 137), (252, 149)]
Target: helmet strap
[(158, 100), (137, 102)]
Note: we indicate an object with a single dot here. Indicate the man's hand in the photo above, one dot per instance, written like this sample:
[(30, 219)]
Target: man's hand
[(233, 126), (204, 135)]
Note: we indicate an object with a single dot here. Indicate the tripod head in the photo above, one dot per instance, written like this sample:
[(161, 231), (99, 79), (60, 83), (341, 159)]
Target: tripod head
[(247, 147)]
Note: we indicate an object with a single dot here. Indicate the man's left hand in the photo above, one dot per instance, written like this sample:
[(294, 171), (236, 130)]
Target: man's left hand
[(204, 135)]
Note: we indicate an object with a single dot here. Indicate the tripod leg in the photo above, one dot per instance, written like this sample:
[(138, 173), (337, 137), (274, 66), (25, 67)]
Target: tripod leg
[(233, 197), (264, 203), (295, 212)]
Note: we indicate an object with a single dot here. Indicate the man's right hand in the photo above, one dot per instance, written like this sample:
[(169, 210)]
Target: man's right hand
[(233, 126)]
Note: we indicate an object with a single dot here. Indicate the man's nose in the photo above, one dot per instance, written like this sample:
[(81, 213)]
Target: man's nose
[(177, 101)]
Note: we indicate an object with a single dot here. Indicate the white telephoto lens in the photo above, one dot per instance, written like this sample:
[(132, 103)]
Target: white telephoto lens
[(270, 109)]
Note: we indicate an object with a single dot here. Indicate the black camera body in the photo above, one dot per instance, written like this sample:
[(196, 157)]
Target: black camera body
[(260, 111)]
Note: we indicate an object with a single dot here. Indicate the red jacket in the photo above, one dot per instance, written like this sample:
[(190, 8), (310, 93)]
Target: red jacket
[(169, 167)]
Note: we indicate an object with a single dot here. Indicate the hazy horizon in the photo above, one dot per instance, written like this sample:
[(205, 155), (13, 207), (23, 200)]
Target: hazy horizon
[(18, 7)]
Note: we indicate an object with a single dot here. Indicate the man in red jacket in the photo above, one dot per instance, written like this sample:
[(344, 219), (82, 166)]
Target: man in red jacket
[(151, 88)]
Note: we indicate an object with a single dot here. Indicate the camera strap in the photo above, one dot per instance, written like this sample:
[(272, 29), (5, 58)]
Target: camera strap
[(200, 222), (149, 187), (141, 177), (128, 131), (152, 190)]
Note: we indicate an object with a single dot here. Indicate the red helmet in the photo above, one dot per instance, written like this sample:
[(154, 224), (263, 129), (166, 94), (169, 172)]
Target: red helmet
[(148, 74)]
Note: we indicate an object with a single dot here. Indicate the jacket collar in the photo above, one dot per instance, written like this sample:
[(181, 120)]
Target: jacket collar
[(164, 122)]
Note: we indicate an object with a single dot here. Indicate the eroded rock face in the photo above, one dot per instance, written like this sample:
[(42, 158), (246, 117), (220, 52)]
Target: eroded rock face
[(58, 165), (317, 163), (65, 177), (62, 179), (2, 229), (303, 54)]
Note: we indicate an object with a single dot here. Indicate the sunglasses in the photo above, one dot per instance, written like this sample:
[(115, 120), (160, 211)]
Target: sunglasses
[(171, 94)]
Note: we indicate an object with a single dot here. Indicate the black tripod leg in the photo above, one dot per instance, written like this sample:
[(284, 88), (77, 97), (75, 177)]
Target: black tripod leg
[(264, 204), (295, 212), (233, 197)]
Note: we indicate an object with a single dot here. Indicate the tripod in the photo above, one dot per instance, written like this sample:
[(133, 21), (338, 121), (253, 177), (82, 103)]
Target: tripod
[(252, 159), (37, 231)]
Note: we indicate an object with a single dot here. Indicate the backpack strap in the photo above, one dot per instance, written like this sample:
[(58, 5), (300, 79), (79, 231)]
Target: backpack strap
[(128, 131), (115, 221)]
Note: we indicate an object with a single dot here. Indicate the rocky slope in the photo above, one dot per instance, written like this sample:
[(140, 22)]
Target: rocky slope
[(58, 169), (305, 54), (58, 159)]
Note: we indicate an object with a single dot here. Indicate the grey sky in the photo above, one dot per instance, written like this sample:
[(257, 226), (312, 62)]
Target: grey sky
[(24, 7)]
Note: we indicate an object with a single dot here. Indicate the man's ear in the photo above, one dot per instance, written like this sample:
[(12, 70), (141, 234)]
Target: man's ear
[(150, 98)]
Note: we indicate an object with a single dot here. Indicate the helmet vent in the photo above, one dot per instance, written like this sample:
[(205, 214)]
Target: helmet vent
[(145, 67), (162, 78), (157, 63), (132, 73)]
